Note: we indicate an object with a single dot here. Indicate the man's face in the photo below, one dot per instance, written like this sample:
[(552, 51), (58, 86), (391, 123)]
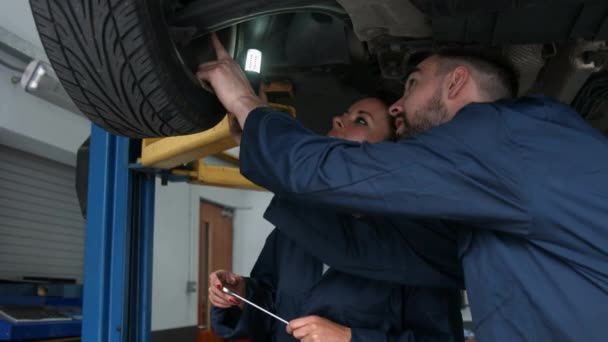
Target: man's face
[(421, 107)]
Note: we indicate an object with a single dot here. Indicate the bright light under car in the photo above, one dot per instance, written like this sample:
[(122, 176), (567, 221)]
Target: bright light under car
[(254, 60)]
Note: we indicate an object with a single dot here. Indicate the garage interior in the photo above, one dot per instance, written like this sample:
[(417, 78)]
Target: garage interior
[(42, 230), (161, 213)]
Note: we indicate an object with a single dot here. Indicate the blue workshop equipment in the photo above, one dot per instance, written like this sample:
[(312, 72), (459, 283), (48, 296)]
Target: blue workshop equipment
[(118, 247)]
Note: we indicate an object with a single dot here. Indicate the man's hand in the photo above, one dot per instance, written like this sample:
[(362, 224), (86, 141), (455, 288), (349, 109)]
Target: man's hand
[(232, 281), (235, 128), (229, 83), (318, 329)]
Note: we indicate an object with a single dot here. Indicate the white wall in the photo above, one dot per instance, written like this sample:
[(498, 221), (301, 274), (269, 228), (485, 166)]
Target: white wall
[(250, 231), (16, 16), (171, 306), (38, 127), (176, 245), (27, 122)]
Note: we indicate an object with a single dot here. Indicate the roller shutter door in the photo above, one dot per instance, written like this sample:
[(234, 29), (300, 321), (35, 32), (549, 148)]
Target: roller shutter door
[(41, 227)]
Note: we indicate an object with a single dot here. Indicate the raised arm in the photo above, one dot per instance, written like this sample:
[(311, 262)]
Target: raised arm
[(456, 172)]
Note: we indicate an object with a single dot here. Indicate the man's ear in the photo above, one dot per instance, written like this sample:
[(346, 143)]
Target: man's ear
[(456, 81)]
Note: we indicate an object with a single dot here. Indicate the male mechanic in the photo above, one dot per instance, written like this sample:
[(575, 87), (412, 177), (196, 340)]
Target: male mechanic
[(522, 179)]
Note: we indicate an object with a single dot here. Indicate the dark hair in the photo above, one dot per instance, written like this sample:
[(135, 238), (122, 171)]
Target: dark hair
[(496, 77), (387, 98)]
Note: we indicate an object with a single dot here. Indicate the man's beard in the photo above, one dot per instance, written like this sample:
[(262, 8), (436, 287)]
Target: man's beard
[(434, 113)]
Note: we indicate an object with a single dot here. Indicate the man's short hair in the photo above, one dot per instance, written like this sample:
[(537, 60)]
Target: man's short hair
[(496, 78)]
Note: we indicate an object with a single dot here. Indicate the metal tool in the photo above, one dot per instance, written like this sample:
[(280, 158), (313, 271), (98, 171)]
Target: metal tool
[(225, 290)]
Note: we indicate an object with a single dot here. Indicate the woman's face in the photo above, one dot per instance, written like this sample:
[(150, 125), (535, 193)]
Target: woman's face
[(365, 120)]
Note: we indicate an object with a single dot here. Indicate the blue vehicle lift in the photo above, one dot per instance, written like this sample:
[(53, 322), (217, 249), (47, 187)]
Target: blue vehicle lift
[(120, 223), (120, 220), (118, 247)]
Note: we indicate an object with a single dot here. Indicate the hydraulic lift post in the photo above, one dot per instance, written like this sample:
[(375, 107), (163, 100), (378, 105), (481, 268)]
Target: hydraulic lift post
[(118, 246)]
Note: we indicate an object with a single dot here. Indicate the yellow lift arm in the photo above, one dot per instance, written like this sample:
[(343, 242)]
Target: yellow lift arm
[(183, 155)]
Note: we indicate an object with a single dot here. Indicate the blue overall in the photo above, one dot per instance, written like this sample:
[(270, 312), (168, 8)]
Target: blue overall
[(290, 282), (525, 183)]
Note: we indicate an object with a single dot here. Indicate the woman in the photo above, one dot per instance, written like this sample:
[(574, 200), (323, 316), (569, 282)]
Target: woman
[(324, 304)]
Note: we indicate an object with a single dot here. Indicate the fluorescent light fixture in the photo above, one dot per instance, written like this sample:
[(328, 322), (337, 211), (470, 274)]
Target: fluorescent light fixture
[(40, 80), (253, 61), (35, 78)]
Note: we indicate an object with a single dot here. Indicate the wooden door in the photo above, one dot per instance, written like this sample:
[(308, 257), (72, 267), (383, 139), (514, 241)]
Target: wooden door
[(215, 252)]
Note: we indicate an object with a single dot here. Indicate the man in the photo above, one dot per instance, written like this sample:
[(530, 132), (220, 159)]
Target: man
[(522, 179)]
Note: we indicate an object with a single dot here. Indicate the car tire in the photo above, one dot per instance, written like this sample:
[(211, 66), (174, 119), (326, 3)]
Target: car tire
[(592, 101), (117, 62)]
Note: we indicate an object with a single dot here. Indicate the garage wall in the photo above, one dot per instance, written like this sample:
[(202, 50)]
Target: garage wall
[(16, 17), (250, 231), (27, 122), (33, 125)]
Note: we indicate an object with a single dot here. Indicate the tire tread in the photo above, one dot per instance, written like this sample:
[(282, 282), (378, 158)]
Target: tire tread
[(101, 54)]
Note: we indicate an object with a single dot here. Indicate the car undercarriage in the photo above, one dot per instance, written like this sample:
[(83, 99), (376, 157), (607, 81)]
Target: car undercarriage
[(328, 53)]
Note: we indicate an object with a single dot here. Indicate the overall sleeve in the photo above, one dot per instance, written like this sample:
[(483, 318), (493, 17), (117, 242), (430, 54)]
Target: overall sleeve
[(463, 170), (234, 323), (414, 257)]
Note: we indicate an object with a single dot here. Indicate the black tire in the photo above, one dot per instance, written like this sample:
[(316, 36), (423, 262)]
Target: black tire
[(592, 101), (117, 62)]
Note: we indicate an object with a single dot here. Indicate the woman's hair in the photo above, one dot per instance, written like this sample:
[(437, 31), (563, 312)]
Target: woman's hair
[(387, 98)]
